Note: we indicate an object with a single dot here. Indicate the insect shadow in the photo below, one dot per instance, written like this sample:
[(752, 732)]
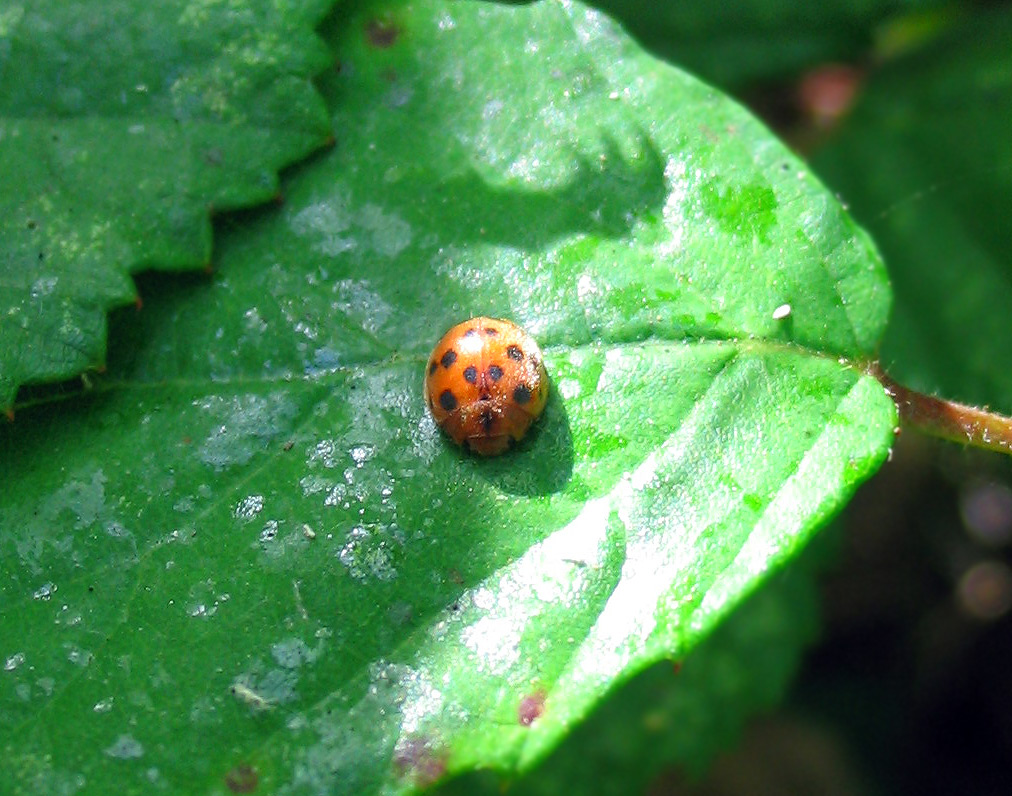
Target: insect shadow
[(542, 462)]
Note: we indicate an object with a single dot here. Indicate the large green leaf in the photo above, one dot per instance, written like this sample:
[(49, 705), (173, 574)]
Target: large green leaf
[(122, 126), (249, 555), (927, 163)]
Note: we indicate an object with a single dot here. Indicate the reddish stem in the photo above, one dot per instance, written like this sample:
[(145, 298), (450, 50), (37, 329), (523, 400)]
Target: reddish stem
[(950, 420)]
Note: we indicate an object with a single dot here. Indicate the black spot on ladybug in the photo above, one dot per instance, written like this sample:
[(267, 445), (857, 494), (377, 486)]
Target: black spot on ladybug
[(487, 421), (432, 367), (471, 332), (522, 394), (514, 353), (448, 400), (491, 332), (448, 358), (381, 34), (495, 372), (470, 374)]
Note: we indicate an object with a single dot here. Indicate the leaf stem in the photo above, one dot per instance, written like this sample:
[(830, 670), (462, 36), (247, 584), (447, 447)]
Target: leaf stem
[(949, 420)]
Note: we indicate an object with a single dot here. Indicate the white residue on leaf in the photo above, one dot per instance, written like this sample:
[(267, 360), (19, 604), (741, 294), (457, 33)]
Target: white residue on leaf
[(291, 653), (204, 599), (333, 226), (104, 705), (43, 286), (324, 452), (249, 507), (423, 700), (263, 692), (324, 222), (354, 299), (45, 591), (492, 109), (390, 234), (314, 484), (368, 552), (360, 454), (242, 426), (253, 320), (126, 747), (78, 656)]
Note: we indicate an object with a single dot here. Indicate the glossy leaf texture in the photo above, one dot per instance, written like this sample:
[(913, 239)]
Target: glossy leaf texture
[(926, 162), (248, 558), (123, 125), (668, 725)]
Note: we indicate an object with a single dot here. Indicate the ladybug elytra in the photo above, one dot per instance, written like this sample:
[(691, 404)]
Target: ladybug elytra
[(485, 384)]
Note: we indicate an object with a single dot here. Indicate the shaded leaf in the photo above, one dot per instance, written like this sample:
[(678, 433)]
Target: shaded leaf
[(123, 125)]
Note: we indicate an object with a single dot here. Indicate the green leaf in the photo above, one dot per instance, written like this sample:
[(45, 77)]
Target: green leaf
[(684, 714), (927, 163), (123, 125), (249, 556)]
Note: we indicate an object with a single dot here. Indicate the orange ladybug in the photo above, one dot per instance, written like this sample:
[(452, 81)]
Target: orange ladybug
[(485, 384)]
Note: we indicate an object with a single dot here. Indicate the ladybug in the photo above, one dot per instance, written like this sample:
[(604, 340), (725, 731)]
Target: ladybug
[(485, 384)]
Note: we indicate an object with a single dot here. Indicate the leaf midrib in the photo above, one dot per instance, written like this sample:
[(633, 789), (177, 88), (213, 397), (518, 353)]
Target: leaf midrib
[(208, 385)]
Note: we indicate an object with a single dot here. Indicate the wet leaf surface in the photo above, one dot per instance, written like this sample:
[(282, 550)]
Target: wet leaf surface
[(247, 555)]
